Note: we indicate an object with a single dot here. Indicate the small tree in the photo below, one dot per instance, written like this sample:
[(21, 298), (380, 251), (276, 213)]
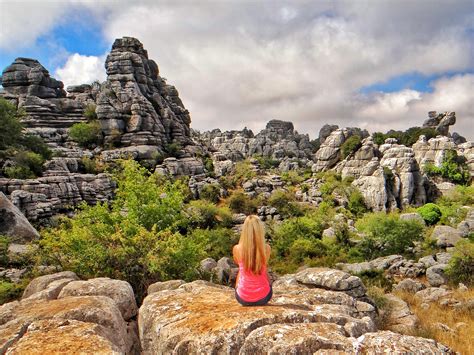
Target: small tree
[(86, 134), (350, 145)]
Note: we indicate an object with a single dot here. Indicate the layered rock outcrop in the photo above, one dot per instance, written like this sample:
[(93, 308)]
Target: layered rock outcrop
[(314, 311), (41, 198), (136, 106)]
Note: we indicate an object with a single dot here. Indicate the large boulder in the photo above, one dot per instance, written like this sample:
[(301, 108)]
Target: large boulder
[(45, 322), (42, 283), (119, 291), (300, 318), (13, 223), (331, 279), (446, 236), (400, 318)]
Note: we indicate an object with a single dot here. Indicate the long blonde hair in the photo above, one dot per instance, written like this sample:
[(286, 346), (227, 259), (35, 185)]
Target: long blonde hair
[(252, 244)]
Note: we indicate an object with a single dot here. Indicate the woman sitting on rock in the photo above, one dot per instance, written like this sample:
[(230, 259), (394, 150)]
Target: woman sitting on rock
[(251, 254)]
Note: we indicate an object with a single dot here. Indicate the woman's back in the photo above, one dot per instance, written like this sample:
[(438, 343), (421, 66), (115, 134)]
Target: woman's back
[(252, 287)]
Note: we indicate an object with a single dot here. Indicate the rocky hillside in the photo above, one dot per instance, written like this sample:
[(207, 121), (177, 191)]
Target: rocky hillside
[(371, 233), (314, 311)]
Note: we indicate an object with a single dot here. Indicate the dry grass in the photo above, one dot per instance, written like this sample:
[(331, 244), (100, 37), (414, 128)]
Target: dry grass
[(461, 339)]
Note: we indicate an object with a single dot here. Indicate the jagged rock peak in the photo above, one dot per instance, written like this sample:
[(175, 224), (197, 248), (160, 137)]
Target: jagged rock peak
[(440, 121), (27, 77), (137, 106)]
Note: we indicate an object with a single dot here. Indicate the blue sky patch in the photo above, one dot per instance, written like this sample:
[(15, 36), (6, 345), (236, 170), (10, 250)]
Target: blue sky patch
[(80, 33), (413, 81)]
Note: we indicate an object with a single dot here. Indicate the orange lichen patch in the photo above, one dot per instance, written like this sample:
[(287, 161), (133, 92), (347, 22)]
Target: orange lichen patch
[(47, 309), (63, 337), (214, 310)]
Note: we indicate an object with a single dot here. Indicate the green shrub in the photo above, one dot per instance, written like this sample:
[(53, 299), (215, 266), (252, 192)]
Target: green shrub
[(10, 125), (216, 243), (91, 166), (303, 249), (430, 212), (36, 145), (356, 203), (285, 203), (285, 234), (266, 162), (210, 192), (387, 235), (242, 203), (453, 168), (209, 165), (134, 238), (86, 134), (203, 214), (19, 172), (4, 244), (9, 291), (89, 112), (407, 138), (242, 172), (293, 177), (461, 265), (350, 145), (172, 149)]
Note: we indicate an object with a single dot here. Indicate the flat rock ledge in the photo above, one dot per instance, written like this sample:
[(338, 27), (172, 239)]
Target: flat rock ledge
[(302, 318)]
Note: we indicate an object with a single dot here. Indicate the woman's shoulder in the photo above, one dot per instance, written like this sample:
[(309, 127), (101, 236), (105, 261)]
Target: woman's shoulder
[(236, 252)]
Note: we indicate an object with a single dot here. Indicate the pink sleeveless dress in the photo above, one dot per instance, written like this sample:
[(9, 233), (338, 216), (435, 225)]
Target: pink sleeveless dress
[(252, 288)]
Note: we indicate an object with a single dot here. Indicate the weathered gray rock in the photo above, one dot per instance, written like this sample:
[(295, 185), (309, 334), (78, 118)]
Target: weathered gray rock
[(27, 76), (413, 216), (165, 285), (410, 285), (13, 223), (377, 343), (440, 122), (41, 283), (446, 236), (400, 319), (136, 106), (432, 294), (333, 280), (117, 290), (436, 275)]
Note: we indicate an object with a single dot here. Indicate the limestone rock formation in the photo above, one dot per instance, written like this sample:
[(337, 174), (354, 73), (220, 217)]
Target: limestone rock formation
[(75, 324), (136, 106), (41, 198), (440, 121), (304, 318), (27, 77), (13, 223)]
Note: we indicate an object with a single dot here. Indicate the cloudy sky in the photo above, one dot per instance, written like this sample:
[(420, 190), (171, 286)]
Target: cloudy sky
[(374, 64)]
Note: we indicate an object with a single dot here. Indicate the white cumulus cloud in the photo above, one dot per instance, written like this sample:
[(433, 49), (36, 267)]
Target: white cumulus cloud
[(81, 69)]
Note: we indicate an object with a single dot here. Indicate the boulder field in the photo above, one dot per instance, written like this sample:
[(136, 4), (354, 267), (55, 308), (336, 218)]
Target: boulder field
[(315, 311)]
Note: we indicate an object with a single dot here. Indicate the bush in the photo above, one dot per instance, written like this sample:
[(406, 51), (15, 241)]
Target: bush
[(350, 145), (4, 244), (430, 213), (453, 168), (387, 235), (215, 243), (242, 203), (91, 166), (210, 192), (285, 203), (357, 203), (27, 165), (303, 249), (461, 265), (266, 163), (9, 291), (284, 235), (36, 145), (89, 112), (10, 125), (173, 149), (86, 134), (135, 238), (407, 138), (293, 177), (202, 214)]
